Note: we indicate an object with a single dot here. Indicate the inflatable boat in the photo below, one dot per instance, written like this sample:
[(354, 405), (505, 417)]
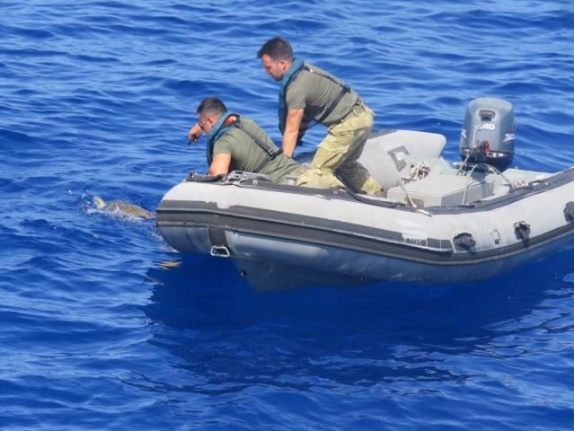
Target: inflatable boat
[(439, 222)]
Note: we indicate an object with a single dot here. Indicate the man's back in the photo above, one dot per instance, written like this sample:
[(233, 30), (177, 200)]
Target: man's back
[(247, 155), (316, 92)]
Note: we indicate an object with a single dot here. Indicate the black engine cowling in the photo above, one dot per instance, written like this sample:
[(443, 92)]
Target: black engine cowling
[(488, 133)]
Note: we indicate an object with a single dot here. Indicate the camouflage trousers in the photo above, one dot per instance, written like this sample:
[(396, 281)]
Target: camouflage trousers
[(338, 154)]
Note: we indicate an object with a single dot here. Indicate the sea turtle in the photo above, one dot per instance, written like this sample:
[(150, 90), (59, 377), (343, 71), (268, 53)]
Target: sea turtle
[(123, 207)]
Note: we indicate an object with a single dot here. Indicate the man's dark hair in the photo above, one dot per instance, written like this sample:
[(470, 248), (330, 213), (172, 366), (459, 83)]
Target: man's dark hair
[(277, 48), (211, 106)]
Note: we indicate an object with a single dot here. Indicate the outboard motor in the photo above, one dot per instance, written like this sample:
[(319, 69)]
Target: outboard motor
[(488, 133)]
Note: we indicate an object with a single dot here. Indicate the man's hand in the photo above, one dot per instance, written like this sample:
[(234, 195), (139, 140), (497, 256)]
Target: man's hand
[(194, 133)]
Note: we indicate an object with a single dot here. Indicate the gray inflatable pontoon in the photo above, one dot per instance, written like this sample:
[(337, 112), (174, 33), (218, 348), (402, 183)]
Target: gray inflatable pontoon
[(439, 222)]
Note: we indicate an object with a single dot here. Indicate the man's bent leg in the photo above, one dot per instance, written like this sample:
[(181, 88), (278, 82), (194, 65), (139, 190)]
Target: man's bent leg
[(333, 150), (350, 170)]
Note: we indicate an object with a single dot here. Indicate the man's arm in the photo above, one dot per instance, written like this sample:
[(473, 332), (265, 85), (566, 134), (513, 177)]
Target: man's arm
[(220, 164), (292, 125)]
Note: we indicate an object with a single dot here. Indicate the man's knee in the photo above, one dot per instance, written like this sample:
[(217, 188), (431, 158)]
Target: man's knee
[(327, 158)]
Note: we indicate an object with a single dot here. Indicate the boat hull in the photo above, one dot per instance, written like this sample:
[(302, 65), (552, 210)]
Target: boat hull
[(285, 236)]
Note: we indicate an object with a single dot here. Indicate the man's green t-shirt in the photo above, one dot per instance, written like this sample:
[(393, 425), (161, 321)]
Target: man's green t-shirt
[(246, 155), (313, 92)]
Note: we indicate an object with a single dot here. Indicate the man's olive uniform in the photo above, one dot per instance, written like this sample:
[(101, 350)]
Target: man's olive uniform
[(247, 155), (349, 122)]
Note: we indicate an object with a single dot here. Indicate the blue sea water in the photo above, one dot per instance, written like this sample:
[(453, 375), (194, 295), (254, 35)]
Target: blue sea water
[(98, 333)]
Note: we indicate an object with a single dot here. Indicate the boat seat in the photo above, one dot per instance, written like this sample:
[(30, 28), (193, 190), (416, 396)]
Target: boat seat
[(389, 156)]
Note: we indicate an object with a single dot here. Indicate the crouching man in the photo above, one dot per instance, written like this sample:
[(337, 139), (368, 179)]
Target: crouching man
[(238, 143)]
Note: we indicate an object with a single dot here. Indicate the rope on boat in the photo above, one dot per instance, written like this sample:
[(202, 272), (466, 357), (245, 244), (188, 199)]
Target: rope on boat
[(468, 173)]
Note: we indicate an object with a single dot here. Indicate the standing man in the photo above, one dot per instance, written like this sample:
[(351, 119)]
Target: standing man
[(309, 94), (238, 143)]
